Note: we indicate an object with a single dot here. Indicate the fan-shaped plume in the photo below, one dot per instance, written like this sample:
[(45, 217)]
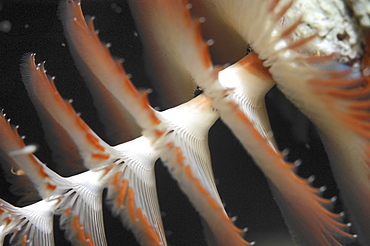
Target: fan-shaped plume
[(119, 124), (132, 192), (249, 82), (279, 173), (82, 206), (159, 127), (32, 224), (55, 191), (314, 84), (342, 92), (42, 91)]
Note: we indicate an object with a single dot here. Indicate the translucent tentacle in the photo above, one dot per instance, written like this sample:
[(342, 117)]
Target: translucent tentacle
[(11, 141), (107, 70), (81, 207), (274, 43), (82, 38), (155, 126), (132, 192), (27, 166), (31, 224), (56, 113), (249, 81), (343, 125), (300, 199)]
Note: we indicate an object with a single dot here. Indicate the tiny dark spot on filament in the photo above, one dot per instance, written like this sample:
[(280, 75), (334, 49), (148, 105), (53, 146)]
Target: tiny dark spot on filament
[(198, 91), (248, 50)]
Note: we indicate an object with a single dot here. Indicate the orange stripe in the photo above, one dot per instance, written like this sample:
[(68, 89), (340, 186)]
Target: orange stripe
[(131, 204), (87, 236), (23, 240), (116, 179), (338, 82), (100, 156), (201, 188), (40, 168), (81, 124), (146, 106), (212, 201), (257, 135), (273, 5), (150, 232), (52, 85), (74, 223), (187, 16), (301, 42), (179, 157), (158, 133), (189, 173), (79, 229), (255, 66), (119, 66), (89, 241), (68, 211), (122, 194), (142, 218), (129, 87), (292, 28), (70, 110), (94, 141), (283, 10), (205, 55), (202, 45), (81, 236), (7, 220), (59, 100), (50, 187), (359, 104), (351, 94)]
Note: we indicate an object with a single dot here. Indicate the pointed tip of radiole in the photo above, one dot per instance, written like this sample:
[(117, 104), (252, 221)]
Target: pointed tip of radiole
[(26, 59), (29, 149)]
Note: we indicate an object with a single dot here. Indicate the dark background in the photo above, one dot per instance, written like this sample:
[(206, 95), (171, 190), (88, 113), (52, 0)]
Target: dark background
[(35, 27)]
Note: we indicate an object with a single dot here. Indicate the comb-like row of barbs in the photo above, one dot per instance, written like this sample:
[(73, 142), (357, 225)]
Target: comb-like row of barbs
[(15, 218)]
